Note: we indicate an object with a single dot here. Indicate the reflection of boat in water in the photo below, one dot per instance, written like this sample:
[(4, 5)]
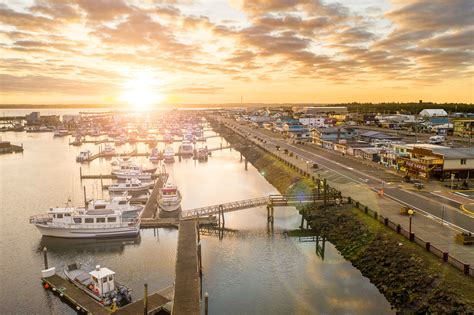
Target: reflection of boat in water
[(88, 244)]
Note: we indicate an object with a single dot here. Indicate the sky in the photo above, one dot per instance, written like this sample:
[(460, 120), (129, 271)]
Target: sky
[(147, 53)]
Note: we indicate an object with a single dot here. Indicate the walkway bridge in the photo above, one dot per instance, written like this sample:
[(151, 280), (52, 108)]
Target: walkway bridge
[(270, 201)]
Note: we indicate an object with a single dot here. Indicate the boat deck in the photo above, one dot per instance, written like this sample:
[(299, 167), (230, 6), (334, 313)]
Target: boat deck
[(156, 301)]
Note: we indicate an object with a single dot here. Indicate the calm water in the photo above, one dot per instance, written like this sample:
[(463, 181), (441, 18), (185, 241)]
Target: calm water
[(247, 272)]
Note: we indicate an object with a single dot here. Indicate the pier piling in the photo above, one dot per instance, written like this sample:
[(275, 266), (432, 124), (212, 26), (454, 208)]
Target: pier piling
[(45, 256), (145, 300), (85, 198), (206, 303), (246, 164)]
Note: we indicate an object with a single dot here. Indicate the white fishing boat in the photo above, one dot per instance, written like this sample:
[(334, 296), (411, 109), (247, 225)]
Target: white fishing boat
[(169, 198), (99, 284), (168, 155), (134, 167), (133, 174), (186, 149), (131, 185), (83, 156), (101, 218), (155, 155)]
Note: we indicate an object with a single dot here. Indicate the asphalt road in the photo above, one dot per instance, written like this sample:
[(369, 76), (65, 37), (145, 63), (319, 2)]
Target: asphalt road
[(361, 174)]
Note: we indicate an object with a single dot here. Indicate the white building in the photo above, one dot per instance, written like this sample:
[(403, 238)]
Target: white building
[(433, 113), (313, 122)]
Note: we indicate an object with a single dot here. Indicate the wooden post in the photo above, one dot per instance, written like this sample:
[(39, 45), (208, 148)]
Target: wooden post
[(246, 162), (45, 256), (325, 187), (240, 157), (85, 198), (80, 172), (206, 303), (198, 230), (101, 182), (223, 219), (319, 188), (302, 221), (145, 300), (200, 259)]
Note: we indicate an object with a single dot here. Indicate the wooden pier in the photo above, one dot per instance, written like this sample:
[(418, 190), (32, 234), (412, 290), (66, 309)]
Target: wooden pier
[(187, 297), (152, 203)]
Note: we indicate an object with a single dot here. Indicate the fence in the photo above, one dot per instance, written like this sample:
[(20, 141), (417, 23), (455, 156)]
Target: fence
[(445, 256)]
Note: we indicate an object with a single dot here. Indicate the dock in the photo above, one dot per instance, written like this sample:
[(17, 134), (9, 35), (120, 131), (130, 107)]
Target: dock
[(74, 296), (152, 203), (187, 295)]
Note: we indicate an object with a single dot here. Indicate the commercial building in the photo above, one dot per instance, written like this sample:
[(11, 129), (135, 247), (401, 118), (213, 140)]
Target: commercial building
[(463, 127)]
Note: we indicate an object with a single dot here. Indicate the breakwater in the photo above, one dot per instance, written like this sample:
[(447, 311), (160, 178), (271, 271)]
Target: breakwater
[(280, 175), (412, 280)]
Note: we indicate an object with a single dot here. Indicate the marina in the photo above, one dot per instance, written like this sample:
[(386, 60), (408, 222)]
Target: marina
[(158, 236)]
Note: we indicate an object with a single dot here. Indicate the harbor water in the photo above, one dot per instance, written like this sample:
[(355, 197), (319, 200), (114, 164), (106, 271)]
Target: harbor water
[(250, 270)]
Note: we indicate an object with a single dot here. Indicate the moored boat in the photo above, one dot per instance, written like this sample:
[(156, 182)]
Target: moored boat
[(169, 198), (131, 185), (98, 283), (83, 156), (99, 219), (168, 155), (132, 174), (186, 149)]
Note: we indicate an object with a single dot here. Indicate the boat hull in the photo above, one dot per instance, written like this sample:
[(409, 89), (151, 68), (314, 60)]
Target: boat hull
[(88, 233), (169, 207)]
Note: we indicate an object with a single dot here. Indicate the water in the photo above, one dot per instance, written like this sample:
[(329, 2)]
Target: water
[(249, 271)]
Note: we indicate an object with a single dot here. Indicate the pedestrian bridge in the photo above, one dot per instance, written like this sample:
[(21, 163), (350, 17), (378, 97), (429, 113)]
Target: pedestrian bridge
[(270, 201)]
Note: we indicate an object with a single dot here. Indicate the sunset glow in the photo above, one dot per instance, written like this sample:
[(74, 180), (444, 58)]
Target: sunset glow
[(217, 51), (141, 92)]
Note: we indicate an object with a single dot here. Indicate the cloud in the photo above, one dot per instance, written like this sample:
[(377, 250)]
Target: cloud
[(24, 21), (104, 10)]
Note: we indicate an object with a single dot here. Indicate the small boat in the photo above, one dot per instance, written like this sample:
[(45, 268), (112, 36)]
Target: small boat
[(133, 174), (203, 154), (108, 150), (100, 219), (122, 139), (83, 156), (61, 132), (168, 137), (169, 198), (98, 283), (77, 141), (168, 155), (131, 185), (38, 129), (186, 149), (155, 155)]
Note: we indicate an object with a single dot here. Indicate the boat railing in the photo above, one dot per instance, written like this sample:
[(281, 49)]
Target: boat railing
[(45, 219)]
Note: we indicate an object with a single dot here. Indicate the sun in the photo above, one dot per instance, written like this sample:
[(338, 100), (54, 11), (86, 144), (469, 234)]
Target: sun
[(142, 91)]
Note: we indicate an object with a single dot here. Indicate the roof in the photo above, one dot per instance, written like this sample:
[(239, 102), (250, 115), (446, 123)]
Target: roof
[(433, 112), (102, 272), (378, 135), (455, 153)]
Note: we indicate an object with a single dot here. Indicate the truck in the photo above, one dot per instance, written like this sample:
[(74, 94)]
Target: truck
[(436, 139)]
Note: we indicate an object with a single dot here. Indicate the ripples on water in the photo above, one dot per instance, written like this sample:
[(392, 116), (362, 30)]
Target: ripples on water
[(247, 272)]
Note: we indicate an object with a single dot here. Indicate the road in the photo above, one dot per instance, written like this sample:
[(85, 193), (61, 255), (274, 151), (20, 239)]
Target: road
[(372, 178)]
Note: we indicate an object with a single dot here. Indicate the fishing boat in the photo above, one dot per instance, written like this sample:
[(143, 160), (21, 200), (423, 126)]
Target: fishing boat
[(99, 284), (83, 156), (169, 198), (99, 219), (133, 174), (186, 149), (155, 155), (131, 185), (168, 155), (134, 167), (203, 154)]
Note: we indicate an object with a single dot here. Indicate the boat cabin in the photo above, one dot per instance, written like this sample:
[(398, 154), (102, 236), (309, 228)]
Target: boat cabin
[(103, 280)]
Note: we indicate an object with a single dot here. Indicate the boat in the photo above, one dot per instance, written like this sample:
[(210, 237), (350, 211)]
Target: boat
[(98, 283), (168, 155), (203, 154), (77, 141), (133, 174), (83, 156), (186, 149), (61, 132), (122, 139), (131, 185), (168, 137), (155, 155), (101, 218), (169, 198), (134, 167), (108, 150), (38, 129)]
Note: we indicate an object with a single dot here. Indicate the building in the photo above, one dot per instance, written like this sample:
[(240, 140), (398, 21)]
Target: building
[(71, 119), (33, 118), (433, 113), (319, 110), (457, 162), (313, 121), (463, 127), (332, 134), (377, 136)]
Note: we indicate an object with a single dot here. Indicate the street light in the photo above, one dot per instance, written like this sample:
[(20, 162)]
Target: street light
[(410, 213)]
